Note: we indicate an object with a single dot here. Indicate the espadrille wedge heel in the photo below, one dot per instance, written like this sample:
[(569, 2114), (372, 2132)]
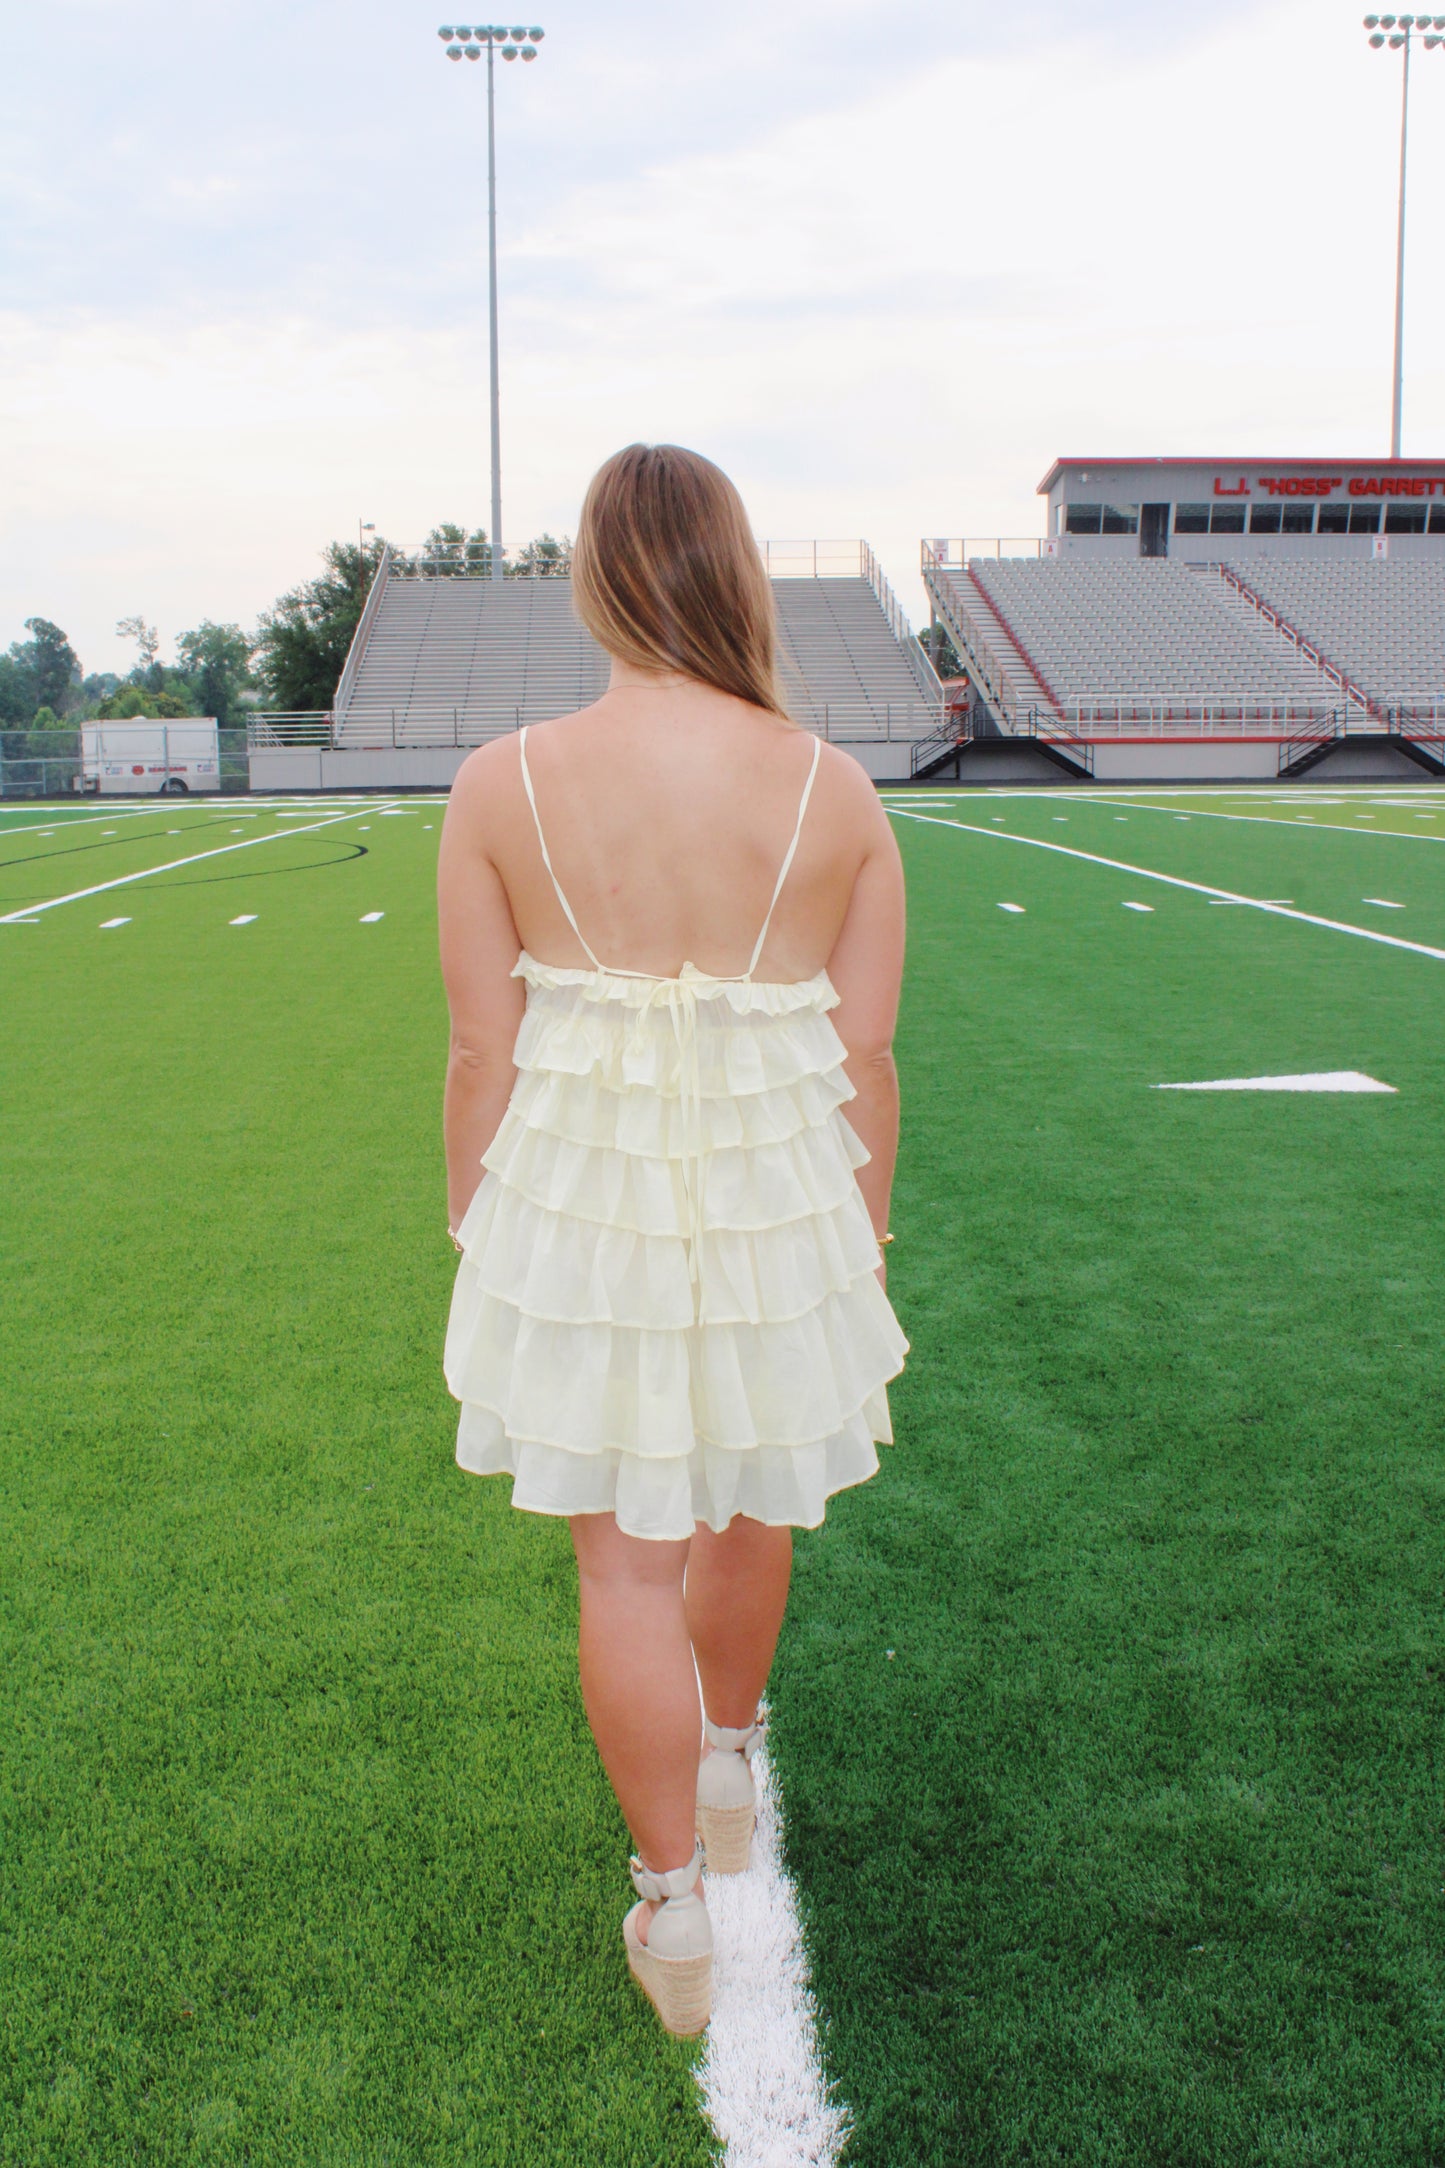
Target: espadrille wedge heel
[(674, 1966), (727, 1799)]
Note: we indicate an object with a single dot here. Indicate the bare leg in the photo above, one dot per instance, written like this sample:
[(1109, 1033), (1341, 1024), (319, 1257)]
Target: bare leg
[(737, 1591), (638, 1685)]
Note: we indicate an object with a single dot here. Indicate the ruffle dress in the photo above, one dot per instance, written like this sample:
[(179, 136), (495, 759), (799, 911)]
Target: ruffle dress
[(667, 1305)]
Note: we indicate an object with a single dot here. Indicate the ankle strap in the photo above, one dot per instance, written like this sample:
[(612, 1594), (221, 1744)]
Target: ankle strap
[(678, 1882), (742, 1742)]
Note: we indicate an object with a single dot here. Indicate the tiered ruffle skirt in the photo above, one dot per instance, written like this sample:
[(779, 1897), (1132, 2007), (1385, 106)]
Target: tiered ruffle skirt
[(667, 1306)]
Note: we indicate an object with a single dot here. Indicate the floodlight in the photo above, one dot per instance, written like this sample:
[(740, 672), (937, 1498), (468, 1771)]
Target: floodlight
[(537, 36), (446, 31), (454, 52), (1372, 22), (520, 34), (474, 52), (1377, 41), (1387, 22), (464, 31), (529, 52), (1407, 22), (1396, 43), (509, 52), (1430, 44)]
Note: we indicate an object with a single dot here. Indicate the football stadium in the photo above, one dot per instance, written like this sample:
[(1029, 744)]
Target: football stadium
[(1099, 1807)]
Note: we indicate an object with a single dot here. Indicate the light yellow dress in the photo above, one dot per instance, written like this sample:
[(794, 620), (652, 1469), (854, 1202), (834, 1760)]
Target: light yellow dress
[(667, 1306)]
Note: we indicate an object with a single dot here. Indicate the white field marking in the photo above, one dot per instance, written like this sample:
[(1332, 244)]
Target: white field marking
[(1380, 903), (63, 828), (1012, 907), (1174, 880), (1138, 906), (247, 918), (1059, 816), (149, 873), (1221, 903), (105, 924), (1319, 1080), (761, 2075), (369, 918), (1269, 820)]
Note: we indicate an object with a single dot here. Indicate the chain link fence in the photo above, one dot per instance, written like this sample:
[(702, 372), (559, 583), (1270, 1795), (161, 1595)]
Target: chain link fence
[(51, 764)]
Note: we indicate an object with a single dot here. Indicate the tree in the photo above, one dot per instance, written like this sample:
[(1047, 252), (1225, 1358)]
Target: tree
[(449, 552), (301, 641), (217, 660), (54, 662), (545, 558), (947, 663), (146, 638), (126, 703), (17, 686), (46, 719)]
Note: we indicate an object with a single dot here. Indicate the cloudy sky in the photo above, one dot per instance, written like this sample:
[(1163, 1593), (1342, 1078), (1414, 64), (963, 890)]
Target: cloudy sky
[(883, 264)]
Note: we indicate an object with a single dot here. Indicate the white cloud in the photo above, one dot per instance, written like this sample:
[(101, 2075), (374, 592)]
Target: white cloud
[(885, 312)]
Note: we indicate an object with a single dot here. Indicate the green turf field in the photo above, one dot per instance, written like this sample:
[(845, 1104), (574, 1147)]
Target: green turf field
[(1107, 1718)]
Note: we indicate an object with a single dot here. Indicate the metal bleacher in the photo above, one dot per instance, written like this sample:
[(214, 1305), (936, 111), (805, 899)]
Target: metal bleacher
[(1112, 642), (1381, 624), (451, 659)]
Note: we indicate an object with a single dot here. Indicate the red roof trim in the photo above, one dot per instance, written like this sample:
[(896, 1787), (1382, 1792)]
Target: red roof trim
[(1165, 459)]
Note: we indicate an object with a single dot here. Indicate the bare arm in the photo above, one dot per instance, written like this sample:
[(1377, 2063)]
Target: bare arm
[(866, 968), (479, 947)]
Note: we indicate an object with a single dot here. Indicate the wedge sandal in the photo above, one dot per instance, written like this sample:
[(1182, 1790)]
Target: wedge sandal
[(674, 1966), (727, 1797)]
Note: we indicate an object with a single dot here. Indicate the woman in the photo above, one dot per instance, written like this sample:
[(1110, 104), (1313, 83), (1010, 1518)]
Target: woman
[(672, 937)]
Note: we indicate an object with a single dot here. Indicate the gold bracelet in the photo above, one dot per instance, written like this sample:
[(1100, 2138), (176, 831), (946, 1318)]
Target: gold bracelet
[(882, 1239)]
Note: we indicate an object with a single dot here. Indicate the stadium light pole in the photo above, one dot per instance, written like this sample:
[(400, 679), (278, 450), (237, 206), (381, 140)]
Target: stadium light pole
[(1397, 32), (472, 40)]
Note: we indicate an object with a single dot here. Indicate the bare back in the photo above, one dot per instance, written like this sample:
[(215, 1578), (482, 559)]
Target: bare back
[(668, 814)]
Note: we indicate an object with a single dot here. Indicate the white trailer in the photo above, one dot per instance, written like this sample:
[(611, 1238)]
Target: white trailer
[(139, 758)]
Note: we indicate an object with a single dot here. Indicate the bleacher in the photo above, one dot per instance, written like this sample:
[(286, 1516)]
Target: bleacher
[(450, 660), (1115, 640), (839, 653), (1380, 623)]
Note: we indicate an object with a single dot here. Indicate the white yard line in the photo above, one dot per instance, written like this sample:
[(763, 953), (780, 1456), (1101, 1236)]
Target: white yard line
[(1174, 880), (62, 826), (761, 2074), (1269, 820), (150, 873)]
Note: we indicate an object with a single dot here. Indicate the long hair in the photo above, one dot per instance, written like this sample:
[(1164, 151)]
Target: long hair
[(666, 574)]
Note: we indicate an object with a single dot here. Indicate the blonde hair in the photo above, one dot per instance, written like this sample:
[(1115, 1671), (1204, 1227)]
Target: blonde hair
[(666, 574)]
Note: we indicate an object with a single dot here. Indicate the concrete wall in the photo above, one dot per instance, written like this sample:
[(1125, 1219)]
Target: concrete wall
[(1211, 760), (304, 767), (433, 768), (1205, 760)]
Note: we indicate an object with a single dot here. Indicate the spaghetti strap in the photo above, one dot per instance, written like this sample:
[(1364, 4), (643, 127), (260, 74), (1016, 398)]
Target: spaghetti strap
[(569, 913), (786, 867)]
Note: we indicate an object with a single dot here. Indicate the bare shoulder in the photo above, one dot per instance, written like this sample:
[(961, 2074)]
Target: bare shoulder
[(484, 792), (852, 796)]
